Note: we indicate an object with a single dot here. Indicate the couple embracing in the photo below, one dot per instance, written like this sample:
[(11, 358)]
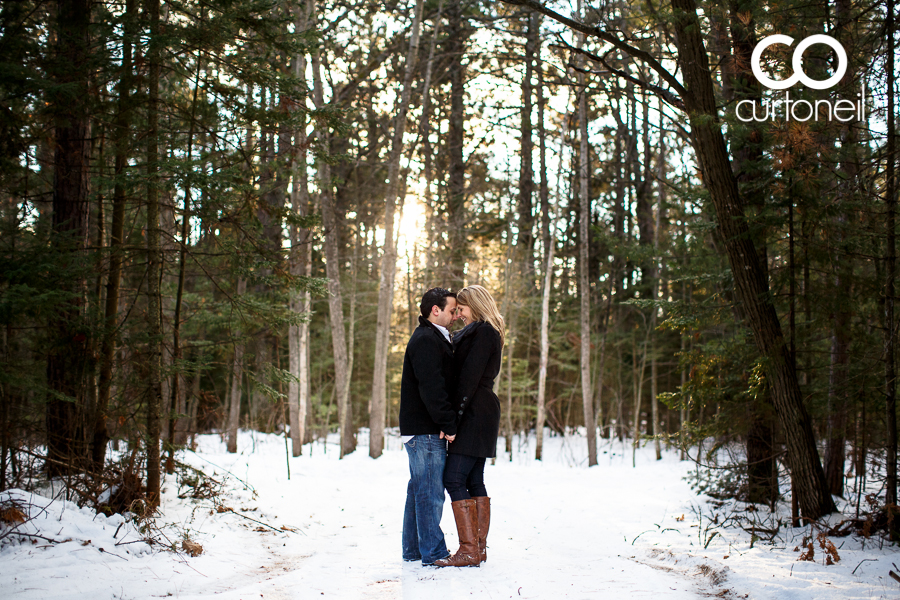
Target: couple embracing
[(449, 421)]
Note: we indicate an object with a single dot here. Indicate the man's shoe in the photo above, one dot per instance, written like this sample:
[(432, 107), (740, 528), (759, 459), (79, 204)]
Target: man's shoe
[(468, 555), (483, 509)]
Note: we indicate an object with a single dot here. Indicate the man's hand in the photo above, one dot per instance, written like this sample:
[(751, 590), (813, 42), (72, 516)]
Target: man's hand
[(449, 438)]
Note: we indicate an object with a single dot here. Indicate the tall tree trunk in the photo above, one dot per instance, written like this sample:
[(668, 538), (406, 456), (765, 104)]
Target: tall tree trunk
[(154, 268), (584, 243), (300, 266), (525, 240), (427, 152), (544, 192), (176, 403), (545, 353), (637, 375), (389, 259), (890, 374), (116, 239), (653, 268), (549, 254), (456, 184), (68, 363), (509, 312), (237, 376), (333, 273), (750, 282), (742, 85), (838, 380)]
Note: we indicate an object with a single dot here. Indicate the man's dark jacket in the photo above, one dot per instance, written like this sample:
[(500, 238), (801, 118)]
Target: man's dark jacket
[(477, 351), (427, 383)]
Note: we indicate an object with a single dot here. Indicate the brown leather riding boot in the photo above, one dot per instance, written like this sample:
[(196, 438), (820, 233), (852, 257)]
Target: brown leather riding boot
[(483, 508), (467, 527)]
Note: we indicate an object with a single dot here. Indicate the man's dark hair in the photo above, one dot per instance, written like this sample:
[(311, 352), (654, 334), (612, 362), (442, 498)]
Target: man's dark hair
[(435, 297)]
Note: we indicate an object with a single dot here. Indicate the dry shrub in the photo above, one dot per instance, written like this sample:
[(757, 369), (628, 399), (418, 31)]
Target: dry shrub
[(831, 553), (129, 490), (809, 554), (879, 519)]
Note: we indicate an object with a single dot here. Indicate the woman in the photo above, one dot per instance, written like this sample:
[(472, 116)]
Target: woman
[(477, 350)]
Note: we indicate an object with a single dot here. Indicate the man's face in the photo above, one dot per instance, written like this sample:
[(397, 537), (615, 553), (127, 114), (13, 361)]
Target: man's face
[(444, 317)]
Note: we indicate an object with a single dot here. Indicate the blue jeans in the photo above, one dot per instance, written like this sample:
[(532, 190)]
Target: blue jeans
[(422, 535)]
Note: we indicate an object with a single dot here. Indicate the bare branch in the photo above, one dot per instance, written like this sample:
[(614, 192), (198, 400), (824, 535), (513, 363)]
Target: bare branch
[(606, 37), (663, 93)]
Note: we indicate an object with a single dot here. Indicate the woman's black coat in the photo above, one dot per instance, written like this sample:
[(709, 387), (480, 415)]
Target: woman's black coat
[(477, 351)]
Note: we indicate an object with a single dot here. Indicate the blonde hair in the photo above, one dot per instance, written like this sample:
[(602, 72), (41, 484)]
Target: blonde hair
[(483, 306)]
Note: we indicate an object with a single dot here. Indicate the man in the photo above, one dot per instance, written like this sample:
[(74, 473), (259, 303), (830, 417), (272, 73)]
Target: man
[(427, 419)]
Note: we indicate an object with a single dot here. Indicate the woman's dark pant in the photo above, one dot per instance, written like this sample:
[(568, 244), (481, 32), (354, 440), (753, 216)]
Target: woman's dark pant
[(464, 477)]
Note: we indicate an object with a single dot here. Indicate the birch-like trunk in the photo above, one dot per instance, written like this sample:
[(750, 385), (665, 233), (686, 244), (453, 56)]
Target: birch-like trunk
[(389, 258), (300, 265), (545, 302), (654, 281), (333, 274)]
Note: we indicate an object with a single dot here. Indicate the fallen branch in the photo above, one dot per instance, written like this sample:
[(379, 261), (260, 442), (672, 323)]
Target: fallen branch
[(34, 535), (222, 509), (860, 564)]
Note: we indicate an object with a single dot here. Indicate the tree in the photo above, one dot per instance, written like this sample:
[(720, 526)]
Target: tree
[(68, 363)]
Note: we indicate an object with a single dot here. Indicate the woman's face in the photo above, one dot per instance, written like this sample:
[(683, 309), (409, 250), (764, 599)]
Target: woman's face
[(464, 313)]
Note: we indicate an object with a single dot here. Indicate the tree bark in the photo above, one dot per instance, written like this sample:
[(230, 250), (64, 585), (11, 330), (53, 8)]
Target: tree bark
[(389, 258), (890, 375), (68, 362), (549, 255), (750, 284), (456, 185), (237, 376), (300, 266), (333, 274), (116, 239), (427, 153), (154, 269), (525, 240), (176, 403), (742, 85), (584, 289)]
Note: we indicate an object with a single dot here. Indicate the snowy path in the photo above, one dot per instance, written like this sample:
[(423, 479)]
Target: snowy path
[(559, 531)]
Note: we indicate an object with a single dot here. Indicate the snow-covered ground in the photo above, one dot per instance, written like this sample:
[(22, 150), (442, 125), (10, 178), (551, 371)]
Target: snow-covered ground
[(559, 530)]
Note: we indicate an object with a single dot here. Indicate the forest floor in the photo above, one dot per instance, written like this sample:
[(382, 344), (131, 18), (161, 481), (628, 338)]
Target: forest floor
[(558, 530)]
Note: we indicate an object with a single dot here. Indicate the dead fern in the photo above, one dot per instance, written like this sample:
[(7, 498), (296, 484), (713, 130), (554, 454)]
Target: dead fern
[(831, 553)]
